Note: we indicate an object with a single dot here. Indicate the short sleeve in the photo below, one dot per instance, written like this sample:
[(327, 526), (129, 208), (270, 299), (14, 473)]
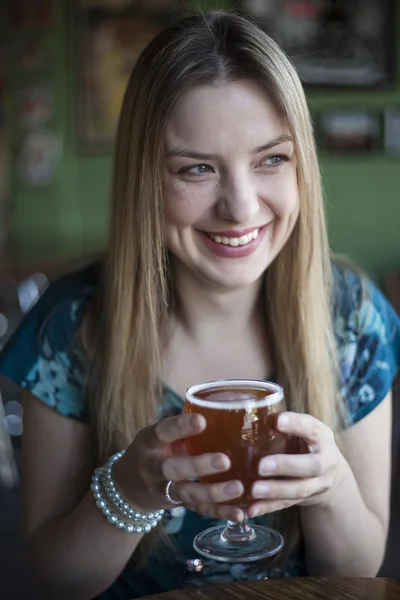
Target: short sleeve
[(43, 355), (367, 330)]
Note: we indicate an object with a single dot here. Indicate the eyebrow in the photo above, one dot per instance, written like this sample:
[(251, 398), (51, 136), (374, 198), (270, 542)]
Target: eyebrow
[(203, 156), (275, 142)]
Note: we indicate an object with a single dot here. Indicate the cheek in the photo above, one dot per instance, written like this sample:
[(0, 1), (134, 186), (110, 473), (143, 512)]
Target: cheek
[(284, 199), (292, 206), (184, 206)]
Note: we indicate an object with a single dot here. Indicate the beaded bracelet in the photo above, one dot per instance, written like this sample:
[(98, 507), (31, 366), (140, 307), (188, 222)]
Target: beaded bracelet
[(118, 501), (102, 477)]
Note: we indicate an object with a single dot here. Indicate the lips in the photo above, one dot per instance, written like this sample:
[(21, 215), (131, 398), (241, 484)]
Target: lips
[(228, 246)]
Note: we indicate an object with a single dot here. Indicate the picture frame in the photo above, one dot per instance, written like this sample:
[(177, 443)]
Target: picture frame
[(109, 38), (349, 131), (392, 131), (333, 43)]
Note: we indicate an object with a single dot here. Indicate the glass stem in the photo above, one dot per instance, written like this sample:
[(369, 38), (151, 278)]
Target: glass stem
[(238, 532)]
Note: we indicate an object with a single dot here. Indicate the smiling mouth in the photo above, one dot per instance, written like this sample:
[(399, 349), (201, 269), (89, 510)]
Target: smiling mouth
[(243, 240)]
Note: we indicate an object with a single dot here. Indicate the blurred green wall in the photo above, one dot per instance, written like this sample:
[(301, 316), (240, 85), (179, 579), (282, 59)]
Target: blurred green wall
[(69, 217)]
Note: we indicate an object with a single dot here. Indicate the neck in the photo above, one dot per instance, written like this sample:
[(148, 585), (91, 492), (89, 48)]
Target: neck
[(202, 309)]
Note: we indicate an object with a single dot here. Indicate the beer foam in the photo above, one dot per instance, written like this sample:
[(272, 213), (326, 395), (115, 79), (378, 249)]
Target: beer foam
[(231, 400), (228, 396)]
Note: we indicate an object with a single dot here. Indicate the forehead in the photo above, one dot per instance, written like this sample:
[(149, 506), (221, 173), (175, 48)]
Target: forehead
[(239, 113)]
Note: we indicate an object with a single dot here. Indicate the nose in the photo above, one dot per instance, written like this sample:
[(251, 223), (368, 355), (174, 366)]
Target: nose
[(238, 199)]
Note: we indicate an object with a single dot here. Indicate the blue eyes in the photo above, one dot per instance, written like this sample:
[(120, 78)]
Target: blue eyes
[(275, 161), (198, 170), (271, 162)]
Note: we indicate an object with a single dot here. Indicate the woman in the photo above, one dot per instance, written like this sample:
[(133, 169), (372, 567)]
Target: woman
[(217, 267)]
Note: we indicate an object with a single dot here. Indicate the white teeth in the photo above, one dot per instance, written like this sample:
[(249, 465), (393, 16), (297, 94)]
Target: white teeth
[(234, 241)]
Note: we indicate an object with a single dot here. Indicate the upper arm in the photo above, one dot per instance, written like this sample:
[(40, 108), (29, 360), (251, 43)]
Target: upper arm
[(368, 334), (56, 463), (367, 447), (45, 359)]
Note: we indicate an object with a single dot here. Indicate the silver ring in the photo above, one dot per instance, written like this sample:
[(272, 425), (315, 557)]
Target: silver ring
[(167, 496)]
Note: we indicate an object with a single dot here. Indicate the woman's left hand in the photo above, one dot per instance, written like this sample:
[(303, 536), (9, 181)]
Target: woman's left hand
[(302, 479)]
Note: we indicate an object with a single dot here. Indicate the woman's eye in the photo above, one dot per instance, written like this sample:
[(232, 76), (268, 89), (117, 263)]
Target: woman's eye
[(274, 161), (197, 170)]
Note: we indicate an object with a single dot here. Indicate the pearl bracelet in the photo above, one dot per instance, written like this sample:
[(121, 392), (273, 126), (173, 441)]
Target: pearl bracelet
[(101, 478), (118, 501)]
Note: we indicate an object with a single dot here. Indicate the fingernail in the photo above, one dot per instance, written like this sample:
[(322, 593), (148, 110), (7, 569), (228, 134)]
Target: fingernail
[(267, 466), (260, 489), (233, 488), (283, 421), (256, 512), (238, 515), (219, 463), (196, 422)]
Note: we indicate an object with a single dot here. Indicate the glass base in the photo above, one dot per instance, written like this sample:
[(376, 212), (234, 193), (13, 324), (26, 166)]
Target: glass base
[(264, 543)]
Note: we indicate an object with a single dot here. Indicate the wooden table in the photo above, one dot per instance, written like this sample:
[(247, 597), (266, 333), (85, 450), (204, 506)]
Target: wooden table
[(306, 588)]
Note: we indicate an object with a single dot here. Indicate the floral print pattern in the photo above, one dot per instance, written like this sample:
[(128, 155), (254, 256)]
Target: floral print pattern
[(43, 358), (367, 331)]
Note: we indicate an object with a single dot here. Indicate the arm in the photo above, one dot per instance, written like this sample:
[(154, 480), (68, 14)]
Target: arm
[(74, 551), (63, 526), (346, 535)]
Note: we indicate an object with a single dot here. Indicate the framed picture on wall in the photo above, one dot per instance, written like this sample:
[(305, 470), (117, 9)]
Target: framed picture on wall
[(349, 131), (340, 43), (110, 35), (392, 132)]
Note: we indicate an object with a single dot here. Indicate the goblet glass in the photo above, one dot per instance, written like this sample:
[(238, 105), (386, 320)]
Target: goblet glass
[(241, 417)]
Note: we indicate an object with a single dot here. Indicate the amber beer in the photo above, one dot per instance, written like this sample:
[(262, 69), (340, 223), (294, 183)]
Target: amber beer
[(241, 420)]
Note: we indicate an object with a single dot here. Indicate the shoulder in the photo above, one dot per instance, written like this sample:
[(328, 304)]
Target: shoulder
[(367, 331), (61, 308), (360, 308), (77, 286), (44, 356)]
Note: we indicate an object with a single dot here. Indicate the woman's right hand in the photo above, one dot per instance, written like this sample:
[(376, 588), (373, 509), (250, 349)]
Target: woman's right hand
[(157, 456)]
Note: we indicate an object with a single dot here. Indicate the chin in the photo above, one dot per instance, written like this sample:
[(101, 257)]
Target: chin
[(233, 281)]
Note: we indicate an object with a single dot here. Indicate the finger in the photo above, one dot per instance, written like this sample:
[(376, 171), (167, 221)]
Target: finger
[(172, 429), (310, 429), (192, 493), (299, 466), (224, 512), (191, 467), (266, 507), (290, 489)]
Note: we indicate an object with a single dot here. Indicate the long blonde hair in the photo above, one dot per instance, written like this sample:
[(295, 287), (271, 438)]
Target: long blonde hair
[(135, 291)]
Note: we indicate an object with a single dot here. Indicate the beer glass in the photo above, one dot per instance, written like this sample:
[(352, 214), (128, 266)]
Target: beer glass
[(241, 417)]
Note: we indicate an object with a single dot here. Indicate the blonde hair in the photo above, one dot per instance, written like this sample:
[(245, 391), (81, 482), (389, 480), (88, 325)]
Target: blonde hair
[(136, 290)]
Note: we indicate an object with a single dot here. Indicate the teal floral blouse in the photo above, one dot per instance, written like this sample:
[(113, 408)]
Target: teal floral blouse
[(43, 358)]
